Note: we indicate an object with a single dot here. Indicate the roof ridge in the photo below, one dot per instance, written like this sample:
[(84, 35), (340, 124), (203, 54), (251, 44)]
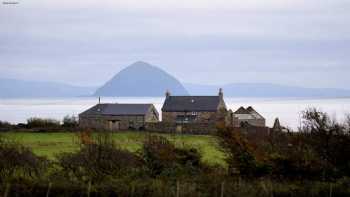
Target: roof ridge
[(118, 109), (191, 103)]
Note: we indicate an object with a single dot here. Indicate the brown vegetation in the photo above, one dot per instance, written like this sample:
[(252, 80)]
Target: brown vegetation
[(312, 162)]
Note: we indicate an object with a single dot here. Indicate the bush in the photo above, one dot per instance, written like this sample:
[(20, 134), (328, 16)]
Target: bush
[(70, 121), (35, 123), (97, 160), (330, 140), (162, 158), (5, 126), (243, 158), (312, 162), (319, 151), (19, 161)]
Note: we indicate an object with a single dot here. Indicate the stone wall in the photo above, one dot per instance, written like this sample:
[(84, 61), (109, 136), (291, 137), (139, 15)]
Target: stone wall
[(112, 123), (152, 115), (202, 117), (189, 128), (254, 122)]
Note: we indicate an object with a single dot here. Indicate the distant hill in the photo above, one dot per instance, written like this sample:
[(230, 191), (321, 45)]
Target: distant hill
[(13, 88), (141, 80), (144, 80), (265, 90)]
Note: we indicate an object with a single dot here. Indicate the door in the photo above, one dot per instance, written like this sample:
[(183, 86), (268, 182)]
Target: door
[(114, 125)]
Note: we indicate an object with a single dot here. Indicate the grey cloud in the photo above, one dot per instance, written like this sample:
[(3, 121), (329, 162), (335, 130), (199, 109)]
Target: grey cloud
[(292, 42)]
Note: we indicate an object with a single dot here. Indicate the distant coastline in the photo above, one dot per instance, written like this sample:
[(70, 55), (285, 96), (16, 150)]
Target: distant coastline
[(18, 110), (142, 79)]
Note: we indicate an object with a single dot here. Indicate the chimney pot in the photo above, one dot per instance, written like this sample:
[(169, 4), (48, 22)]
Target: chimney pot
[(221, 94), (167, 94)]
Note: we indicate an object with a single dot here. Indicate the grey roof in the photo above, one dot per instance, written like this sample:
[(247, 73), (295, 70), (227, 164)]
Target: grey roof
[(248, 113), (118, 109), (241, 110), (255, 113), (191, 103)]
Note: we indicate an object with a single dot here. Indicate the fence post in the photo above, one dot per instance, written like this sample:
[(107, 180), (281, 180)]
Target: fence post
[(222, 189), (48, 190), (89, 189), (195, 189), (330, 189), (7, 190), (132, 189), (177, 188), (239, 183)]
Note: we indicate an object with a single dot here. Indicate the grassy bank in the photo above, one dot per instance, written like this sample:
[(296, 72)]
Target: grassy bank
[(49, 144)]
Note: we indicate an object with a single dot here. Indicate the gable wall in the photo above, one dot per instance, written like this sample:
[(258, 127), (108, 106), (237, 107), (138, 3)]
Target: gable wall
[(222, 105), (202, 117), (254, 122), (104, 122), (152, 115)]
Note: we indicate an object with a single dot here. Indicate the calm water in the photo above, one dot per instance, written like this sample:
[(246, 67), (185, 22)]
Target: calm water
[(288, 110)]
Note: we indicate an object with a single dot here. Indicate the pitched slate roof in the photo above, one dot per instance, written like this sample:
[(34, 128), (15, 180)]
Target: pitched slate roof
[(248, 113), (117, 109), (243, 114), (191, 103), (255, 113), (241, 110)]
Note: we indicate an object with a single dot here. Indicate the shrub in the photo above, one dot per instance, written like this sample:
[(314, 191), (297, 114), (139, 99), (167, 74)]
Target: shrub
[(330, 140), (242, 156), (97, 160), (70, 121), (5, 126), (42, 123), (19, 161), (162, 158)]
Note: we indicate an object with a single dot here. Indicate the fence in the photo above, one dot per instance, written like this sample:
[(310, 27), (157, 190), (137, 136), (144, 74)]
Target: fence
[(180, 188)]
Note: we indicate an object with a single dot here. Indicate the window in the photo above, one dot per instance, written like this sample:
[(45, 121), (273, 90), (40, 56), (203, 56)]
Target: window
[(181, 119), (131, 125)]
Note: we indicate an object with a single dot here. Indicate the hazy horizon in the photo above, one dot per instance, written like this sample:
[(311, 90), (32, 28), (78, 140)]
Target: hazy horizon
[(287, 110)]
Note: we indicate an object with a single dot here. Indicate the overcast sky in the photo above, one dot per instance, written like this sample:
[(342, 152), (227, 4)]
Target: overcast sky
[(83, 42)]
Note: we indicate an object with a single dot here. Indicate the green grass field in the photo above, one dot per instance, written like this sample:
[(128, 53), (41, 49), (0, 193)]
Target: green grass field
[(49, 144)]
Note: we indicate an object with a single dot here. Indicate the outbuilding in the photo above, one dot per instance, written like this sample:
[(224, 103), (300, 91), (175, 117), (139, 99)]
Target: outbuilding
[(115, 116), (247, 116)]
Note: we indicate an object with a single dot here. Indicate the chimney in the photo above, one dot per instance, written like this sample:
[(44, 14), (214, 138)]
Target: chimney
[(221, 94), (99, 100), (167, 94)]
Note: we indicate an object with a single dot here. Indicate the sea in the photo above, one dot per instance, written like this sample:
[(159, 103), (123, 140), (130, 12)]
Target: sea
[(288, 110)]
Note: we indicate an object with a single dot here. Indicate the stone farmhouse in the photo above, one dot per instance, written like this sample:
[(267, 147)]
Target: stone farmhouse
[(193, 109), (181, 114), (114, 117), (247, 116)]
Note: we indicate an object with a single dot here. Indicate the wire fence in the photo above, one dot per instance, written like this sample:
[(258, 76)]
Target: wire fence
[(177, 188)]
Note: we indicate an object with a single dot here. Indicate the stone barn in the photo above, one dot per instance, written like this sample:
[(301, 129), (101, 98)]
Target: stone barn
[(114, 117), (247, 116), (193, 109)]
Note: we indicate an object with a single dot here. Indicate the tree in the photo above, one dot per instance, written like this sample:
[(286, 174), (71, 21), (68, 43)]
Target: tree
[(329, 140), (70, 121), (243, 157)]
